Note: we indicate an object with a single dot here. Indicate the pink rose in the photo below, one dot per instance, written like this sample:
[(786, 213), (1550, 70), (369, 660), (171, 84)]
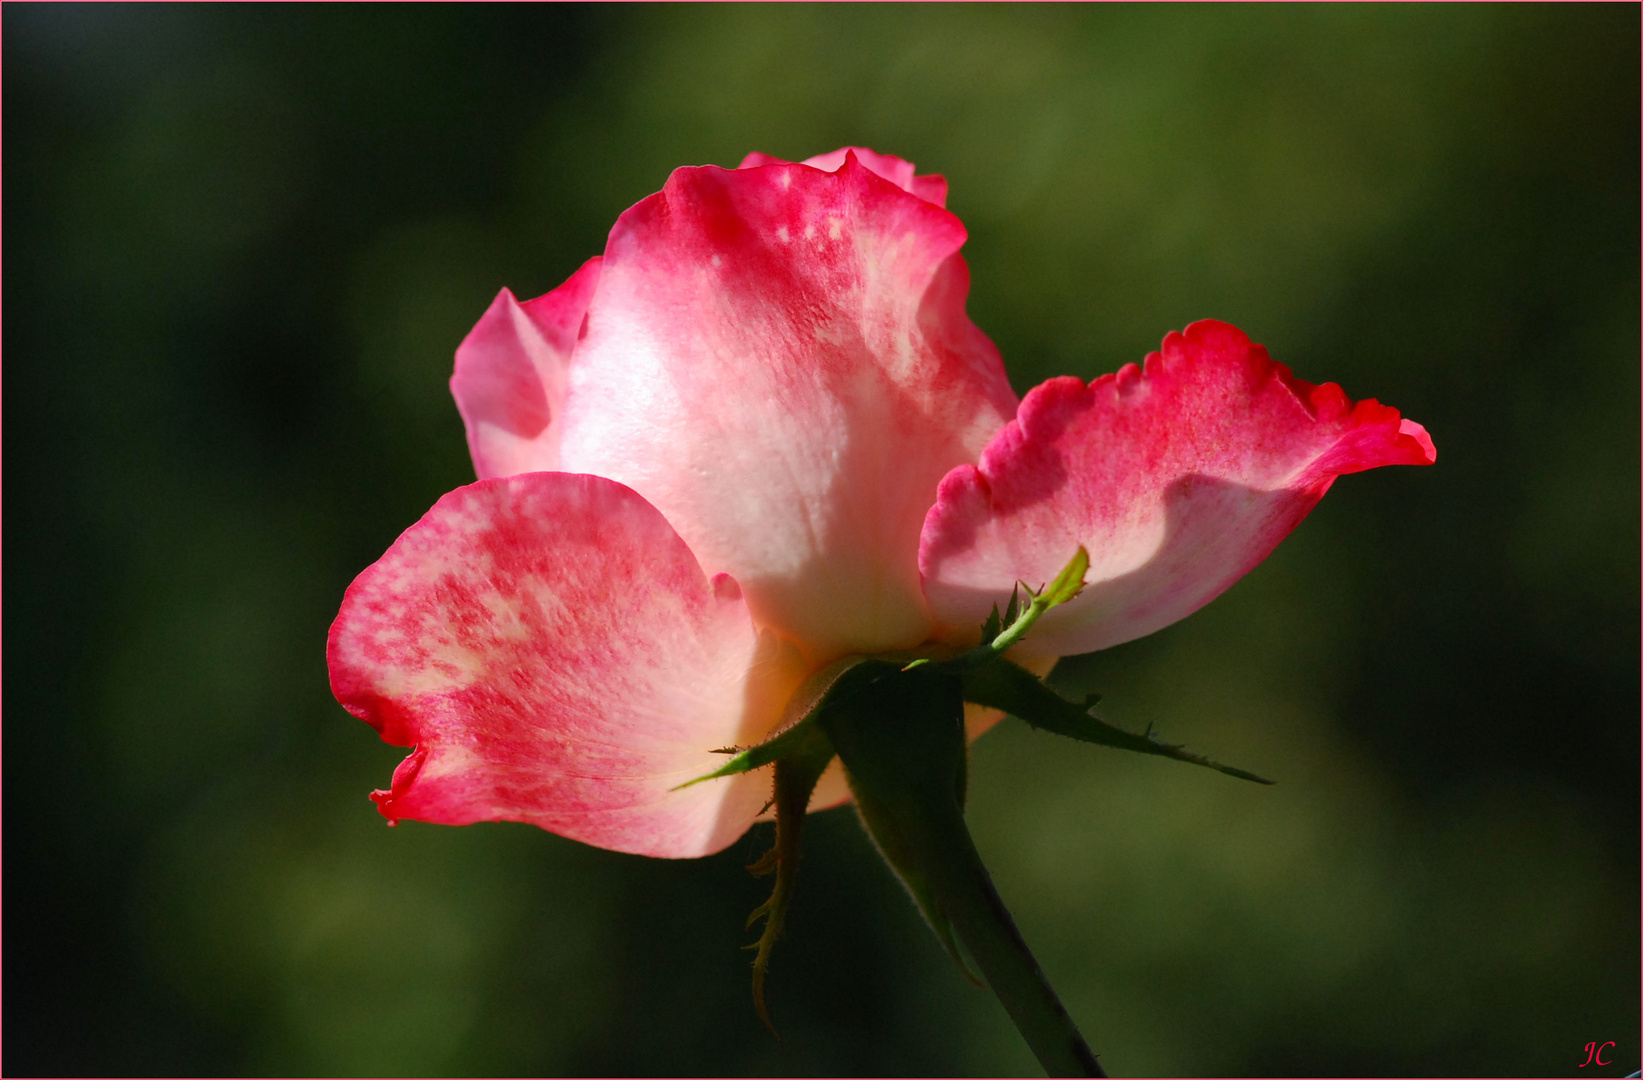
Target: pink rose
[(758, 434)]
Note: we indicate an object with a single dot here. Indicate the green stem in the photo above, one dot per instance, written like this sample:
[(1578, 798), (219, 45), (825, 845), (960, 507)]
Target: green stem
[(965, 892), (902, 744)]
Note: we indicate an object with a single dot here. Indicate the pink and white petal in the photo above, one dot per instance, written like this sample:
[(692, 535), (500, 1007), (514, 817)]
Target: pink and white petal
[(898, 171), (557, 656), (509, 382), (1177, 479), (779, 360)]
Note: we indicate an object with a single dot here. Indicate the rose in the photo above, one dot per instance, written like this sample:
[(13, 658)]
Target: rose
[(760, 434), (755, 471)]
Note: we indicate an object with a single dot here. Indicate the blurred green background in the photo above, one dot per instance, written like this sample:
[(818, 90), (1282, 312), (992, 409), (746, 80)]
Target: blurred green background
[(242, 243)]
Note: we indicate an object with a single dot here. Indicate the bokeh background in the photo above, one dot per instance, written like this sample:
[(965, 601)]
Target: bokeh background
[(242, 243)]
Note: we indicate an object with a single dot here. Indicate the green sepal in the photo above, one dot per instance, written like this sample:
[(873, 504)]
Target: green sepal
[(1004, 685), (993, 626), (801, 709), (905, 757), (801, 752), (903, 748), (1070, 582), (796, 774), (1019, 618), (1012, 610), (758, 757)]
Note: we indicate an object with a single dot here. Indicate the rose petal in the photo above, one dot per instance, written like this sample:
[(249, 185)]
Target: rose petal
[(1177, 480), (557, 656), (898, 171), (779, 360), (509, 382)]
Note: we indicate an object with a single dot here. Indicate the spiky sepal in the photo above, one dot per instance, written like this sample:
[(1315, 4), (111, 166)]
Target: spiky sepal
[(796, 774)]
